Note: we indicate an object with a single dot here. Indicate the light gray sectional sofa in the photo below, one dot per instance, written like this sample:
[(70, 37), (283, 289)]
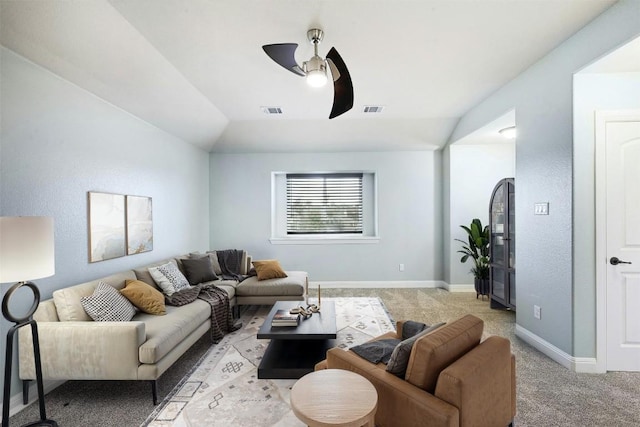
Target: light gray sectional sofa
[(74, 347)]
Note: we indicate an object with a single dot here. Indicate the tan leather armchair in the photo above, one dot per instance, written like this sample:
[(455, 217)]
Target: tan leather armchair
[(452, 379)]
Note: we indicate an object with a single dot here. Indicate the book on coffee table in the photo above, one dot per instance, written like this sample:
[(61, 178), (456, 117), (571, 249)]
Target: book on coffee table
[(284, 318)]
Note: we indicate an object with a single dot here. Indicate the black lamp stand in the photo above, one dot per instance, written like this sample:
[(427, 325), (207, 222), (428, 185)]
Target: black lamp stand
[(20, 322)]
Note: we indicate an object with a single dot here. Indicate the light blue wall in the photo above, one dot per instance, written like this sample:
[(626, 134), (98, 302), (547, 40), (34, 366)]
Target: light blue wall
[(58, 142), (542, 97), (475, 170), (409, 214), (592, 92)]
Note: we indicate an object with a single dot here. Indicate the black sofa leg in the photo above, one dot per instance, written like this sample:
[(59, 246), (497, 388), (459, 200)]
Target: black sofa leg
[(510, 424), (154, 392), (25, 392)]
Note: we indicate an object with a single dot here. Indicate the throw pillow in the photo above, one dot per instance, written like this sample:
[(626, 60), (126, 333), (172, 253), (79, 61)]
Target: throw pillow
[(199, 270), (106, 304), (144, 296), (213, 256), (168, 278), (269, 269), (411, 328), (400, 357)]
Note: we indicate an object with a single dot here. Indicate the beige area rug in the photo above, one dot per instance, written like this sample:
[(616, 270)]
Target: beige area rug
[(223, 389)]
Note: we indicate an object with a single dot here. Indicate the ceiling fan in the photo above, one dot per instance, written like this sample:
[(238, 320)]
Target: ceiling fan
[(315, 69)]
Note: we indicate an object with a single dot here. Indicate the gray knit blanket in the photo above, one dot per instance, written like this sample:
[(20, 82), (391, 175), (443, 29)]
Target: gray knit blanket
[(221, 317), (230, 261)]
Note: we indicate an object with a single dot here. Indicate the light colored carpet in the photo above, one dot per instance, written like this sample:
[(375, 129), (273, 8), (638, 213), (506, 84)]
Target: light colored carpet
[(548, 394), (224, 389)]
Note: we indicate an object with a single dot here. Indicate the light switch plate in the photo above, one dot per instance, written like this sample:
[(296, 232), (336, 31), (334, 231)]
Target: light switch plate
[(541, 208)]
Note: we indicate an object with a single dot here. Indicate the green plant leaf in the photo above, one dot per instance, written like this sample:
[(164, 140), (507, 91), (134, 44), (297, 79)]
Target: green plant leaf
[(479, 238)]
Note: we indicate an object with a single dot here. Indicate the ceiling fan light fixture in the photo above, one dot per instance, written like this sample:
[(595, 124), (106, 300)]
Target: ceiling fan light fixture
[(316, 78), (508, 132), (316, 71)]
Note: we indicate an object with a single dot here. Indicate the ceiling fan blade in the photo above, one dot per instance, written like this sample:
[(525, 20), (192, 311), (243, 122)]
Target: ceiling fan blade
[(342, 85), (284, 55)]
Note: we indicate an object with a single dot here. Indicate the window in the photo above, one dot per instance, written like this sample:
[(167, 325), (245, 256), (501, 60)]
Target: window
[(324, 203), (323, 207)]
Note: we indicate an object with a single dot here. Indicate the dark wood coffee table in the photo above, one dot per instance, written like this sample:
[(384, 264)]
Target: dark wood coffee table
[(294, 350)]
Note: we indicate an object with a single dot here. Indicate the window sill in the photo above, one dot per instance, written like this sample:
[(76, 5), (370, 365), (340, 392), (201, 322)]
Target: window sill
[(324, 240)]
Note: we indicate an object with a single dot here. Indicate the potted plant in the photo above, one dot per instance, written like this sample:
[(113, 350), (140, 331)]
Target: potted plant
[(477, 248)]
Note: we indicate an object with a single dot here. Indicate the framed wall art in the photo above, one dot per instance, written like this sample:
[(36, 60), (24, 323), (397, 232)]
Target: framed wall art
[(139, 225), (106, 226)]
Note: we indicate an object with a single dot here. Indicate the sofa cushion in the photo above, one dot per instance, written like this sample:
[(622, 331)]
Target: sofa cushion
[(198, 270), (229, 286), (433, 352), (293, 285), (145, 297), (166, 332), (269, 269), (67, 300), (399, 359), (106, 304)]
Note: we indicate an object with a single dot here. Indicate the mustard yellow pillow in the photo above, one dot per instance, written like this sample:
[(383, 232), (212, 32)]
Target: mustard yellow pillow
[(144, 296), (269, 269)]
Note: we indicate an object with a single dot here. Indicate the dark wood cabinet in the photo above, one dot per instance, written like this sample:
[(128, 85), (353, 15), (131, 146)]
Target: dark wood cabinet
[(502, 247)]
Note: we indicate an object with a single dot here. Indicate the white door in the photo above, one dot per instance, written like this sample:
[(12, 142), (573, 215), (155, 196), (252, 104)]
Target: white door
[(622, 152)]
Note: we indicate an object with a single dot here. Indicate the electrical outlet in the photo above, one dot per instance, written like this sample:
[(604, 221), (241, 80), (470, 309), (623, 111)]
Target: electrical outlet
[(536, 311), (401, 267)]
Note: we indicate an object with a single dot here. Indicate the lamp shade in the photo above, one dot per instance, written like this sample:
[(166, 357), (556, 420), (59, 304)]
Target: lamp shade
[(26, 248)]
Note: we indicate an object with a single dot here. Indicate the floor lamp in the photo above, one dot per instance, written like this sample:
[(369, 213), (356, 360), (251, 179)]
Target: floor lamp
[(26, 253)]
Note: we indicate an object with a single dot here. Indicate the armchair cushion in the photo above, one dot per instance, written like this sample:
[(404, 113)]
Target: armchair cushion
[(399, 360), (435, 351)]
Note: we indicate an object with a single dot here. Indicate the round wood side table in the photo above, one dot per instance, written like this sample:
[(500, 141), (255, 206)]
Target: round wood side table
[(334, 397)]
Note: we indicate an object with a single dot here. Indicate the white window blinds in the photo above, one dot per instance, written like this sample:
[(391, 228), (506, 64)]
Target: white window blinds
[(328, 203)]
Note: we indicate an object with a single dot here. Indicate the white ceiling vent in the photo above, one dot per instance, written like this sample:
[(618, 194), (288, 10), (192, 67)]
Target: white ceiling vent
[(271, 110), (373, 109)]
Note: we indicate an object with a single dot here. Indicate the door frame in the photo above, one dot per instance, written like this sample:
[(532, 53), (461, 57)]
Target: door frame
[(602, 117)]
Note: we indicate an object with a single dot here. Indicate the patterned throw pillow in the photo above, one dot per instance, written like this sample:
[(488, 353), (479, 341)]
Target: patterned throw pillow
[(169, 278), (399, 360), (106, 304)]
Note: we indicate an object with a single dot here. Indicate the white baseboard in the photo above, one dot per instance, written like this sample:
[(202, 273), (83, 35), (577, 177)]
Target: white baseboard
[(15, 403), (587, 365), (459, 288), (379, 284), (576, 364)]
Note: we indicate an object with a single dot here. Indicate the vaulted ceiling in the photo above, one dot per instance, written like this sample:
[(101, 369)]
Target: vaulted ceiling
[(196, 69)]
